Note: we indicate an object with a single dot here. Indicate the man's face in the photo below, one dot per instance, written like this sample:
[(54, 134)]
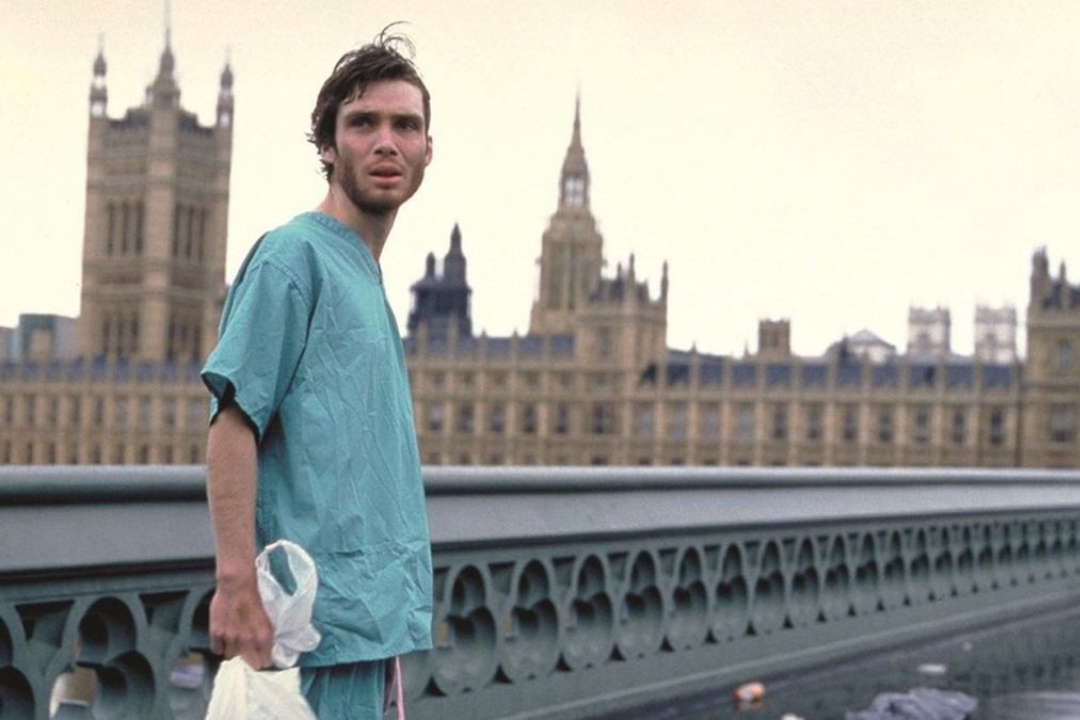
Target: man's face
[(381, 146)]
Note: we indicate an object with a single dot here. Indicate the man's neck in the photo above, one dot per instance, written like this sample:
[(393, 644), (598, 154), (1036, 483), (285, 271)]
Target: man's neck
[(372, 229)]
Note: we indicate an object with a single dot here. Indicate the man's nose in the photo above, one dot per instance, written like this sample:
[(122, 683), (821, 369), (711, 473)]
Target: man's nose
[(384, 139)]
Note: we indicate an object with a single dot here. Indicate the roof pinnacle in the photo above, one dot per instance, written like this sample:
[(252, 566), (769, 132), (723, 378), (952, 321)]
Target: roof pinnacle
[(574, 180)]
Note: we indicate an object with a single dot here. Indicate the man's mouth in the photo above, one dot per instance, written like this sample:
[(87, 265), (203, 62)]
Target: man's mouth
[(386, 172)]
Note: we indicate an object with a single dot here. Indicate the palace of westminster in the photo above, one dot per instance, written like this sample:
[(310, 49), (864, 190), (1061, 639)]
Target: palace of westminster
[(593, 382)]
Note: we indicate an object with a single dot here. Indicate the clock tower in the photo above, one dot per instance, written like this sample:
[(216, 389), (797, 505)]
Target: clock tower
[(571, 255)]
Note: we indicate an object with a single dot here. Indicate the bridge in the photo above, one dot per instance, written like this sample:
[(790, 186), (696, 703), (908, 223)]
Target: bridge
[(559, 592)]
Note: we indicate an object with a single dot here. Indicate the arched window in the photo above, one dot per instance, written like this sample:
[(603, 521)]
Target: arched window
[(110, 237), (183, 344), (171, 347), (1066, 356), (121, 338), (134, 333), (202, 234), (177, 213), (125, 227), (190, 228), (139, 227)]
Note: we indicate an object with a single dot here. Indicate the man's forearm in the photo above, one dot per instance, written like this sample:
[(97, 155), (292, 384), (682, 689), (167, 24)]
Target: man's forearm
[(238, 622), (231, 479)]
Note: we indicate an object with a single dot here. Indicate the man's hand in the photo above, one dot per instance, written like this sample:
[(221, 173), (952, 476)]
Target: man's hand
[(239, 624)]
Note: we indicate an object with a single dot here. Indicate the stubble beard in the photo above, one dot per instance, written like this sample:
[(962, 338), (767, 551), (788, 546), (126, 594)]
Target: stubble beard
[(346, 177)]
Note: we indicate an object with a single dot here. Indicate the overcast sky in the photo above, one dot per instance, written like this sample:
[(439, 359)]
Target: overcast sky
[(827, 162)]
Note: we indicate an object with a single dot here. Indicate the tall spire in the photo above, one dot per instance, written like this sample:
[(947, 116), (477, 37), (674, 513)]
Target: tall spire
[(454, 261), (168, 63), (574, 180), (575, 141), (225, 94), (99, 93), (163, 92), (168, 24)]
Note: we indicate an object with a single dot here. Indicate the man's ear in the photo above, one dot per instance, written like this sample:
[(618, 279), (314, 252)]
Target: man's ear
[(427, 156), (328, 154)]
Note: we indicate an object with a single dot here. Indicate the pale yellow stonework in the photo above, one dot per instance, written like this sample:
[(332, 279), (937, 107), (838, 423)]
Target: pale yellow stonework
[(592, 383)]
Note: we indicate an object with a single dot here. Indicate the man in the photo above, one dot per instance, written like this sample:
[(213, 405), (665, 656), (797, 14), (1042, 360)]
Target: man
[(312, 436)]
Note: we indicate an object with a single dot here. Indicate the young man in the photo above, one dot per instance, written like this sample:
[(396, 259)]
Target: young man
[(312, 436)]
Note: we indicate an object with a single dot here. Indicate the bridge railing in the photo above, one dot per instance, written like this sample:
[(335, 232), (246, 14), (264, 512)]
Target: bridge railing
[(559, 592)]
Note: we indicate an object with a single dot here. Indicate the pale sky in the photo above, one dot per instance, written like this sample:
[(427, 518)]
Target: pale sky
[(827, 162)]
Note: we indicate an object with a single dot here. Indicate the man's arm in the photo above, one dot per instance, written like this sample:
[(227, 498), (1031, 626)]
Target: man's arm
[(238, 623)]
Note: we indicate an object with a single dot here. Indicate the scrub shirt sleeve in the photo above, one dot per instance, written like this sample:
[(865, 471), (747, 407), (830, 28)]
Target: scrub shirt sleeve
[(263, 334)]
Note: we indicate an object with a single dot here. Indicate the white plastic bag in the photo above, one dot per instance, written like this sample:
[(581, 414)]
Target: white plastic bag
[(290, 614), (241, 693)]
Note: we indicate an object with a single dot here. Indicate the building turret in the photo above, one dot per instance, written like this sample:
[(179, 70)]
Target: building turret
[(664, 285), (774, 339), (225, 98), (164, 92), (572, 252), (454, 260), (613, 320), (995, 334), (157, 193), (929, 332), (99, 93), (1040, 275), (1051, 423), (574, 179), (441, 304)]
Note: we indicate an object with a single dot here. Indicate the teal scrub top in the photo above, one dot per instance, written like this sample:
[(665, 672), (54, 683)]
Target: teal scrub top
[(309, 352)]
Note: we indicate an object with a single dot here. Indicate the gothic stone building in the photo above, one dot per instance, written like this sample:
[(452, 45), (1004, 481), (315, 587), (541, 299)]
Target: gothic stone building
[(128, 391), (592, 382), (1051, 399)]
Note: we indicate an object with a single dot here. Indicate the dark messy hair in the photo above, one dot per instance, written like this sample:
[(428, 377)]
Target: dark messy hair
[(380, 59)]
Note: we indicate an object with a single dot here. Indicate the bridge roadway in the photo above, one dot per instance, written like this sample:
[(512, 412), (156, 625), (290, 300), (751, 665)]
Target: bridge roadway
[(1025, 667), (559, 593)]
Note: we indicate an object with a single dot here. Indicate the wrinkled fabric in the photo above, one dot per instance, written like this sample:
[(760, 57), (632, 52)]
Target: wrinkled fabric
[(918, 704), (353, 691), (309, 352)]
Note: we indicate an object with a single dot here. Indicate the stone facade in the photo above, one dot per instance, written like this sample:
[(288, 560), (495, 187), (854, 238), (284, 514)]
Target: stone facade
[(995, 334), (929, 332), (157, 199), (121, 384), (1051, 409), (593, 382)]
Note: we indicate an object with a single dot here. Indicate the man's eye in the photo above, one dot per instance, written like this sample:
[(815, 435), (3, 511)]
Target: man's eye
[(360, 121)]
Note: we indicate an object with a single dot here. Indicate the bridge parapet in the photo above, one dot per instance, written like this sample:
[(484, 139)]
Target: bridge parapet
[(559, 592)]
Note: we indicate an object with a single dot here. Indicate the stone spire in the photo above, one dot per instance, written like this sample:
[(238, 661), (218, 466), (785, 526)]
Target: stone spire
[(574, 179), (99, 93), (441, 305), (454, 260), (225, 96), (163, 92)]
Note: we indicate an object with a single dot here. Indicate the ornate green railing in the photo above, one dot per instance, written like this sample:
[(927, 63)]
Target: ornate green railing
[(559, 592)]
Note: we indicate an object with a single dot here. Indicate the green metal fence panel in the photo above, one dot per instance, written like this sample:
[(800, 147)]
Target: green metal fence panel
[(558, 592)]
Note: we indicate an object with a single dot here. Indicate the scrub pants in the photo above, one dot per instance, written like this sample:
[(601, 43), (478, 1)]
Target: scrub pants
[(345, 692)]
